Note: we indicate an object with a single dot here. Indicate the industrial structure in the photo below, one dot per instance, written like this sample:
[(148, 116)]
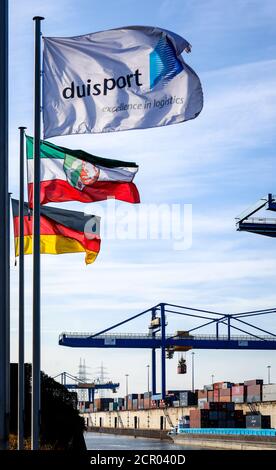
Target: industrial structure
[(72, 382), (259, 225), (250, 337)]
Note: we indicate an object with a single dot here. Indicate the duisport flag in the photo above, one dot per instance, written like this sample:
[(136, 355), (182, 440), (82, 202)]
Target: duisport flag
[(61, 231), (75, 175), (126, 78)]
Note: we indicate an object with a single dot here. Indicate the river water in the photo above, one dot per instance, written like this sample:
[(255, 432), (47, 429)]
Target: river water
[(101, 441)]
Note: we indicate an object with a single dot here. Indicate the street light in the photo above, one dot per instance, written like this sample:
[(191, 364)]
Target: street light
[(127, 376), (212, 379), (268, 374), (193, 372)]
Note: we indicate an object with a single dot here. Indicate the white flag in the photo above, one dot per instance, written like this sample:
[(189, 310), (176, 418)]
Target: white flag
[(128, 78)]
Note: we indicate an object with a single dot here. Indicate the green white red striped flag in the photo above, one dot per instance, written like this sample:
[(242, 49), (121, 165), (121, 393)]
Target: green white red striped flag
[(75, 175)]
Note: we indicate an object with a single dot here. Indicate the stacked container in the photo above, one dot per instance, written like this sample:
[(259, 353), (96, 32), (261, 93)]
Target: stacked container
[(216, 394), (120, 403), (113, 406), (102, 404), (225, 395), (269, 392), (220, 415), (239, 393), (187, 398), (258, 421), (147, 400), (254, 390), (140, 401), (199, 419), (132, 401)]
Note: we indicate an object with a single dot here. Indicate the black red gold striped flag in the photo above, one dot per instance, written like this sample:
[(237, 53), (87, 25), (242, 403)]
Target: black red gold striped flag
[(61, 231)]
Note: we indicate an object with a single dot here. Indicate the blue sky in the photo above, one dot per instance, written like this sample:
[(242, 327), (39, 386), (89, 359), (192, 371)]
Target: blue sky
[(220, 163)]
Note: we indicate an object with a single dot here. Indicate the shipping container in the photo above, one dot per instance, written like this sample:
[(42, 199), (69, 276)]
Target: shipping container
[(129, 405), (213, 415), (269, 397), (202, 394), (230, 424), (201, 402), (226, 406), (217, 385), (226, 385), (187, 398), (102, 404), (210, 395), (269, 392), (157, 396), (269, 388), (258, 421), (254, 393), (238, 390), (254, 382), (225, 392), (176, 404), (216, 395), (238, 398), (147, 403), (226, 399), (208, 387), (113, 406)]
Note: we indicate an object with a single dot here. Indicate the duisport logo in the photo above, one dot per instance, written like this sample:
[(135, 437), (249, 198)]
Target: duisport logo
[(163, 62), (164, 65)]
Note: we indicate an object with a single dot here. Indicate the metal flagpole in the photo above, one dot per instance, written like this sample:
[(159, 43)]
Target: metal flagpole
[(4, 231), (21, 329), (36, 240)]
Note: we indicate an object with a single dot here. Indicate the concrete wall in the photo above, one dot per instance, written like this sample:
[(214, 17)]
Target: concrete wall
[(157, 419)]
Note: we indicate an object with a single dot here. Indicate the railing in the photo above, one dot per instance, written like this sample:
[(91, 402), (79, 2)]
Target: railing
[(229, 431), (259, 220), (158, 336)]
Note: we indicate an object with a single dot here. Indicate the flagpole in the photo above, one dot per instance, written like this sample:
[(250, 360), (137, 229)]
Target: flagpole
[(21, 329), (4, 231), (36, 240)]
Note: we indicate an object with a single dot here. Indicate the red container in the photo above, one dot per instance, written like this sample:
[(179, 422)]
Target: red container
[(253, 382), (225, 399), (147, 403), (254, 393), (225, 394), (216, 395), (210, 395), (218, 385), (238, 390), (202, 394)]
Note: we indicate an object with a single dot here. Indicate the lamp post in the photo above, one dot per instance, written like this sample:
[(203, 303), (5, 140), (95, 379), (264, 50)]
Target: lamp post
[(268, 374), (193, 372), (126, 376), (212, 379)]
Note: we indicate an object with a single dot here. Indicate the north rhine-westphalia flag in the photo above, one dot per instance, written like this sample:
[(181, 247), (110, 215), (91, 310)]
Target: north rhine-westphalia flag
[(75, 175), (61, 231)]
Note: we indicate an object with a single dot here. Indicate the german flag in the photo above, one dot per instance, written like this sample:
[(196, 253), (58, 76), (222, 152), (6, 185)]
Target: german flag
[(61, 231)]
